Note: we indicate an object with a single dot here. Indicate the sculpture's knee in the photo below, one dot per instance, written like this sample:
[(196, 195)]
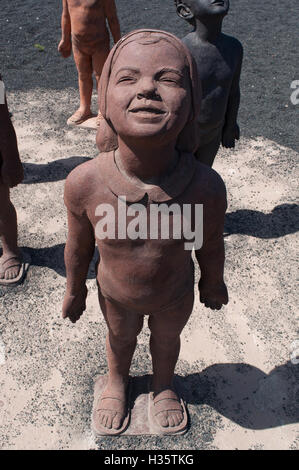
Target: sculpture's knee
[(125, 336), (164, 338), (85, 75)]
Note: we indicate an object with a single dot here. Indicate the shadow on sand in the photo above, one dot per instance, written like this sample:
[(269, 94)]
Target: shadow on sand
[(53, 258), (242, 393), (53, 171), (283, 220)]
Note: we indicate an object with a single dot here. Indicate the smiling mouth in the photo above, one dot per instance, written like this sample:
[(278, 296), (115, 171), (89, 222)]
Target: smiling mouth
[(218, 2), (147, 110)]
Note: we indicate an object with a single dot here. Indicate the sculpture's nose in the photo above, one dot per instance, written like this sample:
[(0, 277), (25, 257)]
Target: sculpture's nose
[(147, 88)]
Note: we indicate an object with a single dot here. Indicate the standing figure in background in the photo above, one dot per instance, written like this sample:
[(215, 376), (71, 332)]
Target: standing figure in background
[(219, 62), (11, 174), (84, 29)]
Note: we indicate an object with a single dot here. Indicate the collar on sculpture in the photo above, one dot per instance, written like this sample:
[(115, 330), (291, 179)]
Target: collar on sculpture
[(171, 187)]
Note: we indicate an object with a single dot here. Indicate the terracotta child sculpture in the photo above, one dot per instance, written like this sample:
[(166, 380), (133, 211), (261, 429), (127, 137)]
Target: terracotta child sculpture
[(11, 174), (84, 29), (219, 61), (149, 97)]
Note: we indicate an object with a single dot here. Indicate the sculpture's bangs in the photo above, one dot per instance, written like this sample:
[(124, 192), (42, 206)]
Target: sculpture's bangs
[(146, 38)]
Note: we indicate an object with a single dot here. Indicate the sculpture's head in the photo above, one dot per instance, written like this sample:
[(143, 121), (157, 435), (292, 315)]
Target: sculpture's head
[(149, 89), (192, 9)]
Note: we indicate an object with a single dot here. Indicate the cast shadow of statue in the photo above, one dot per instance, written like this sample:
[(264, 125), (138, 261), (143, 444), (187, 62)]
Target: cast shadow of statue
[(52, 171), (242, 393), (246, 395), (53, 258), (283, 220)]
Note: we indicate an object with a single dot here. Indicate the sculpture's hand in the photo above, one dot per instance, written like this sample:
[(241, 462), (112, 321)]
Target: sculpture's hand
[(65, 48), (12, 172), (230, 135), (213, 295), (74, 305)]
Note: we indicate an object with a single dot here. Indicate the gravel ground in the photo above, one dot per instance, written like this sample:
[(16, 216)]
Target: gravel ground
[(236, 366)]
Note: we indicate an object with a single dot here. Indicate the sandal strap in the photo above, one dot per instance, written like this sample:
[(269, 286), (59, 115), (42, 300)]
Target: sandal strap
[(13, 265), (161, 407), (11, 258), (109, 409), (170, 396), (166, 395)]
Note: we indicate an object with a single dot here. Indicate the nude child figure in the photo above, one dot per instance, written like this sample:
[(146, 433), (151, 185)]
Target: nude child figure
[(149, 98), (11, 174), (84, 30), (219, 61)]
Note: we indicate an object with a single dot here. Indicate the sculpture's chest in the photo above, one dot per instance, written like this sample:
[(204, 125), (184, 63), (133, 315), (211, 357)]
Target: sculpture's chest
[(214, 66)]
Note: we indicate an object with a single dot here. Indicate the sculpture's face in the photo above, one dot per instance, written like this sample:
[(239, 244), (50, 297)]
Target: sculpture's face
[(149, 91), (200, 8)]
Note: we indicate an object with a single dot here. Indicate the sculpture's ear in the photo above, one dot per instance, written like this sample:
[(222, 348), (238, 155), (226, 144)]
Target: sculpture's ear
[(184, 11)]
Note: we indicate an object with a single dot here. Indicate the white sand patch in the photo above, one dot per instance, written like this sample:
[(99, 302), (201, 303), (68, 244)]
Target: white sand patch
[(233, 437)]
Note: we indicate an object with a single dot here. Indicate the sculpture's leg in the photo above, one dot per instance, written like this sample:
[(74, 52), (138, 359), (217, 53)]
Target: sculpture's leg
[(166, 327), (123, 329), (98, 61), (83, 63), (10, 261), (207, 153)]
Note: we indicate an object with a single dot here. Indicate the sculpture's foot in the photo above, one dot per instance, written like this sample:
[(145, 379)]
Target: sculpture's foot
[(11, 269), (112, 413), (78, 117), (167, 412)]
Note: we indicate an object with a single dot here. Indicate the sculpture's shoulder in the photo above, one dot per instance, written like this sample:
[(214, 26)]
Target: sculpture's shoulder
[(233, 44), (81, 184), (192, 41), (209, 186), (83, 174)]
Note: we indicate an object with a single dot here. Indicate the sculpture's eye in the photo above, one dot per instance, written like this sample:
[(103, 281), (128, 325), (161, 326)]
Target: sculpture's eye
[(171, 78), (126, 78)]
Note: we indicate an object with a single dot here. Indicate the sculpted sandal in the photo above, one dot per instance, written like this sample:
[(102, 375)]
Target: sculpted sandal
[(156, 406), (101, 430), (75, 121), (11, 263)]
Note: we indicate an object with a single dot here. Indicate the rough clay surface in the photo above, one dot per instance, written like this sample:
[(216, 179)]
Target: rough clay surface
[(235, 365)]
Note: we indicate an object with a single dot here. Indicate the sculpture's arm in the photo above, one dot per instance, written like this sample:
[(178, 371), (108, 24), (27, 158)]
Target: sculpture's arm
[(78, 254), (65, 21), (231, 131), (211, 257), (65, 45), (11, 171), (111, 15)]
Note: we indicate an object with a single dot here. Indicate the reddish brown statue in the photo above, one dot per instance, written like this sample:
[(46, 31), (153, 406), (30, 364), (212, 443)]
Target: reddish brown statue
[(149, 97), (11, 174), (84, 29), (219, 61)]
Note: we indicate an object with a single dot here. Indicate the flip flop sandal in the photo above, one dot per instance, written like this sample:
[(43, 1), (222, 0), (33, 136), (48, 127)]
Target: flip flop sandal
[(155, 407), (77, 122), (24, 266), (101, 430)]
